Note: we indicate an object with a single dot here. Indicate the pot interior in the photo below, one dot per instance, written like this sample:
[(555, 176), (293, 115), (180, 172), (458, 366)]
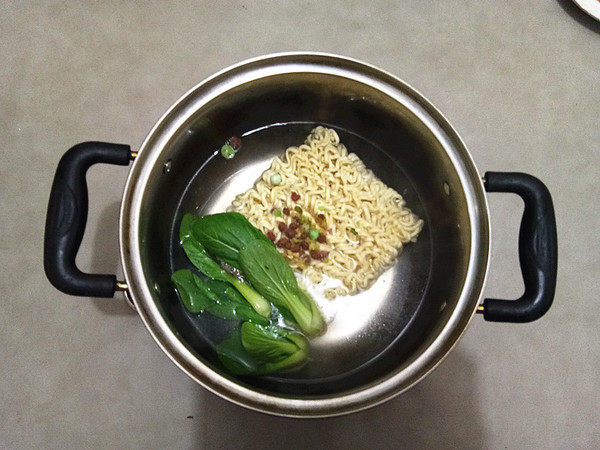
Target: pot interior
[(375, 334)]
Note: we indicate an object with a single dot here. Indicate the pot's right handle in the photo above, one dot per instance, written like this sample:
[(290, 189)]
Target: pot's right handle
[(538, 249), (67, 216)]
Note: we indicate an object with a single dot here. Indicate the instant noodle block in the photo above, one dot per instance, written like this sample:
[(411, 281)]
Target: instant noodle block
[(329, 214)]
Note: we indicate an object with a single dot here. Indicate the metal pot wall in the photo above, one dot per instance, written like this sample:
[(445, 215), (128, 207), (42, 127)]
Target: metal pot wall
[(383, 341)]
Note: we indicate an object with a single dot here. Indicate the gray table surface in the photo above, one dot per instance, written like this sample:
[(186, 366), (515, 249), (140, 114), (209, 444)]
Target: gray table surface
[(519, 81)]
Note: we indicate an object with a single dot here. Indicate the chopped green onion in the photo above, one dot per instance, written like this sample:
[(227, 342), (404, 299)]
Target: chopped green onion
[(353, 231), (277, 213), (275, 179), (298, 209), (313, 234), (227, 151)]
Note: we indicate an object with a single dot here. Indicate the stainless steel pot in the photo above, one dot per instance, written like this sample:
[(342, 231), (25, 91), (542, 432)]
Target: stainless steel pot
[(381, 342)]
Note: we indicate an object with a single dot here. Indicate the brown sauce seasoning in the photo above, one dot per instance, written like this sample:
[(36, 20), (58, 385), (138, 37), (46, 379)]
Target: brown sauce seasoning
[(301, 234)]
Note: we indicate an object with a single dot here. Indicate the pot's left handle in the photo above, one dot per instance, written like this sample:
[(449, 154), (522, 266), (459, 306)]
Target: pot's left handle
[(67, 215)]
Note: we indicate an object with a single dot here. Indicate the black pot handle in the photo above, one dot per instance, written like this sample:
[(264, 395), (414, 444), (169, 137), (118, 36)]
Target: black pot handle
[(537, 249), (67, 216)]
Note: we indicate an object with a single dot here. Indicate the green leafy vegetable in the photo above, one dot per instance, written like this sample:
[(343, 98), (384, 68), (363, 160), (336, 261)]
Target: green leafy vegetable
[(215, 297), (257, 346), (235, 357), (257, 349), (201, 259), (270, 274), (194, 295), (186, 227), (224, 234)]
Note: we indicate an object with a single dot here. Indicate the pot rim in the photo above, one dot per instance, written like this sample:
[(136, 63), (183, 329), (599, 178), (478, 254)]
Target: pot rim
[(253, 69)]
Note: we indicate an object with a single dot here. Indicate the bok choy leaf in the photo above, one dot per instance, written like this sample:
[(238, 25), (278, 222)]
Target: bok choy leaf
[(257, 349), (223, 235), (202, 260), (270, 274), (272, 295), (213, 296)]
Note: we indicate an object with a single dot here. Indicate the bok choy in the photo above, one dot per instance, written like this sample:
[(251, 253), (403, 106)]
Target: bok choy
[(270, 274), (257, 288), (200, 258), (223, 235), (258, 349), (213, 296), (231, 238)]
